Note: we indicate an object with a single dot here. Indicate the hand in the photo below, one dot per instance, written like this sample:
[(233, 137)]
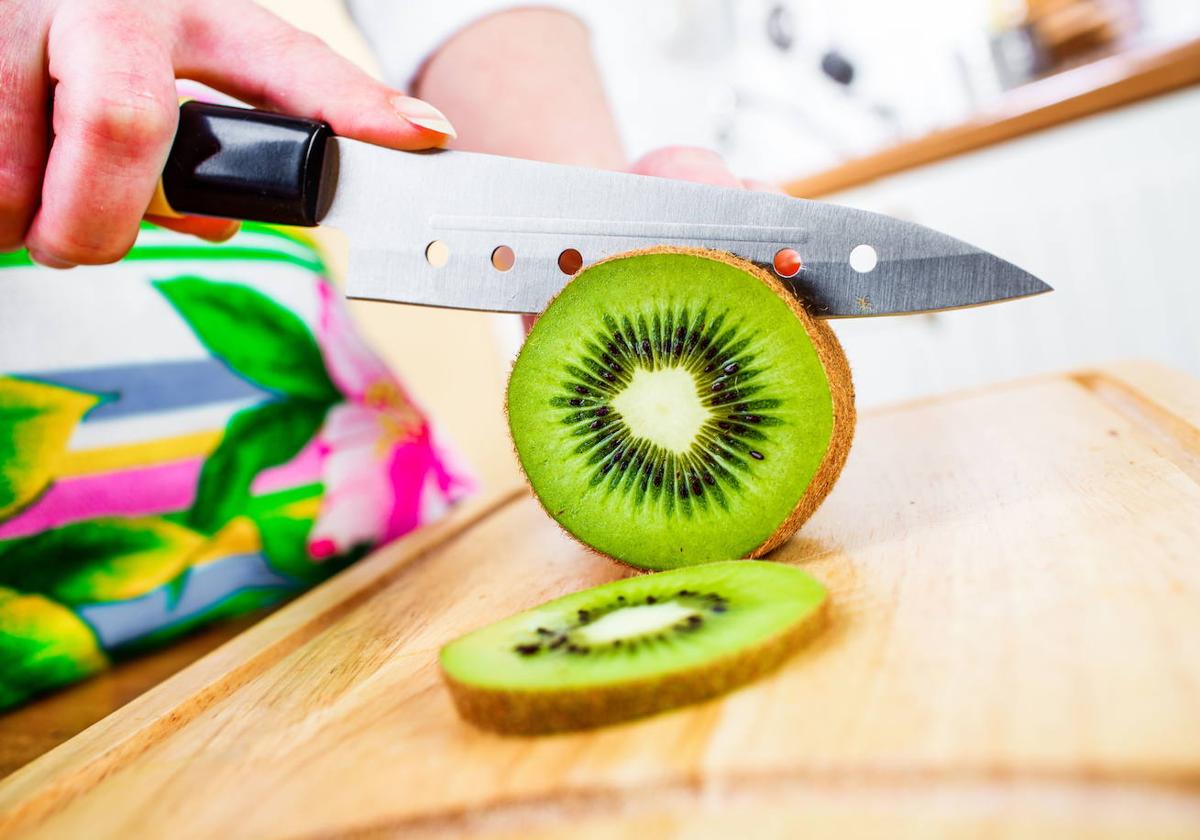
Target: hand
[(688, 163), (77, 175)]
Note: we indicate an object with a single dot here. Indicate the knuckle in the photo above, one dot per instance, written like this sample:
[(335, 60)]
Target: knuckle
[(289, 47), (137, 125), (76, 246)]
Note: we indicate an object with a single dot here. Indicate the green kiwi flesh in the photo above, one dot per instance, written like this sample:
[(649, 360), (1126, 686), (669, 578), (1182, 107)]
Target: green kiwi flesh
[(678, 406), (633, 647)]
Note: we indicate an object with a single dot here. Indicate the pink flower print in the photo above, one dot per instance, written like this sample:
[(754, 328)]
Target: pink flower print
[(382, 471)]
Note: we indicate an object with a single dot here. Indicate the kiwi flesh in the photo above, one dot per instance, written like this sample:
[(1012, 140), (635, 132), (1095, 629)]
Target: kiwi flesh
[(633, 647), (678, 406)]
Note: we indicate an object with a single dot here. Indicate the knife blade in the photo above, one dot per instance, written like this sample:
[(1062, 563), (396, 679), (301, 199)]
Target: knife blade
[(423, 226)]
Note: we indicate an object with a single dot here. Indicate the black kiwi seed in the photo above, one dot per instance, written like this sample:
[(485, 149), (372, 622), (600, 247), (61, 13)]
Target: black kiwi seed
[(651, 600), (579, 389), (542, 631), (601, 411), (732, 367), (756, 455), (527, 650)]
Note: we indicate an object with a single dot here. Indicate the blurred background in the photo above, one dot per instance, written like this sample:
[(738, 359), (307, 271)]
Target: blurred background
[(1063, 135)]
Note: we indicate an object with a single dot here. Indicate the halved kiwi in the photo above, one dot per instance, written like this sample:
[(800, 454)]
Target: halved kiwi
[(676, 406), (632, 647)]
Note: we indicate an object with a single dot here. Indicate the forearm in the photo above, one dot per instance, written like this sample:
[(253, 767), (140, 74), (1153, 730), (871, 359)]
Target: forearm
[(524, 83)]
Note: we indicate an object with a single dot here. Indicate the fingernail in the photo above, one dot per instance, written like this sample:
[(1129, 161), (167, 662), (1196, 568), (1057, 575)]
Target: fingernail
[(220, 234), (48, 261), (423, 115)]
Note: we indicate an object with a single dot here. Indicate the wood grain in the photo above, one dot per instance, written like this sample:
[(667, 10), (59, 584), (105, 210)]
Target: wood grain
[(29, 731), (1090, 89), (1016, 593)]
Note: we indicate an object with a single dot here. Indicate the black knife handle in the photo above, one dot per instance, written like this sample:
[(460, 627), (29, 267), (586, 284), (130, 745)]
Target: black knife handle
[(242, 164)]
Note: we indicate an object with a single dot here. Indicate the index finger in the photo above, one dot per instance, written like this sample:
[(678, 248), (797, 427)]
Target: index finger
[(297, 73)]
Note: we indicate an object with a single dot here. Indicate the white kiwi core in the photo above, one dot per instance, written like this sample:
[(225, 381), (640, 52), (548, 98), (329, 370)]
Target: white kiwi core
[(630, 622), (663, 407)]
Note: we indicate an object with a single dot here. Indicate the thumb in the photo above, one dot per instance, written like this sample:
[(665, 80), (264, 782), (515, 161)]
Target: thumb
[(269, 64)]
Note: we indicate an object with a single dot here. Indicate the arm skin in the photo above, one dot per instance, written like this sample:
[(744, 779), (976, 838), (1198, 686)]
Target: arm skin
[(524, 83)]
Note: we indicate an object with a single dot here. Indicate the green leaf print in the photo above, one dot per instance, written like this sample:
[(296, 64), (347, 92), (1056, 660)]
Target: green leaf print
[(260, 340), (42, 645), (99, 560), (284, 522), (36, 421), (256, 438)]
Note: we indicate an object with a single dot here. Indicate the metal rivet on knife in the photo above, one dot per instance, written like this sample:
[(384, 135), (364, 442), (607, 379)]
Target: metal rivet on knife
[(437, 253), (570, 261), (503, 258), (863, 259), (787, 262)]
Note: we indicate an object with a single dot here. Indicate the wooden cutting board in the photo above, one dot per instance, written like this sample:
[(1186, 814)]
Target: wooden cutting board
[(1014, 650)]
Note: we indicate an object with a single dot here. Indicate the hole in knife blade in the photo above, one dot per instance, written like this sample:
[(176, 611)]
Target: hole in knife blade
[(503, 258), (437, 253), (570, 261), (863, 259), (787, 262)]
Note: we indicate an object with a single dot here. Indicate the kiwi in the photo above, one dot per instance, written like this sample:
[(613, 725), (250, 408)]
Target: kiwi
[(632, 647), (678, 406)]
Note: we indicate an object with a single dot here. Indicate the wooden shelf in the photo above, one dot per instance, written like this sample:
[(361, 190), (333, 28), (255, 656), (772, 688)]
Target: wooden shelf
[(1100, 86)]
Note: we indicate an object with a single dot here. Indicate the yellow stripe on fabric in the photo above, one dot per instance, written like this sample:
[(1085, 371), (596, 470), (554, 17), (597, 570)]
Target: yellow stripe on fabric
[(108, 459), (303, 509), (239, 536)]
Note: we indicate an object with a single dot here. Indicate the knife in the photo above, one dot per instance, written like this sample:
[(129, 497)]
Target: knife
[(424, 227)]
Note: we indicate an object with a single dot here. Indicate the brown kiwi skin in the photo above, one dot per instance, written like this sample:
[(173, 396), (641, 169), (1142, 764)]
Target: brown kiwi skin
[(512, 712), (841, 390)]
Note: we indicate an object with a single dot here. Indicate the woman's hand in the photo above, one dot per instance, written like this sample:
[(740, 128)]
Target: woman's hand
[(88, 109), (688, 163)]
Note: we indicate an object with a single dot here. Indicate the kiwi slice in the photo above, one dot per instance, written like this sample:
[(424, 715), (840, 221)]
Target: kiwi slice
[(677, 406), (632, 647)]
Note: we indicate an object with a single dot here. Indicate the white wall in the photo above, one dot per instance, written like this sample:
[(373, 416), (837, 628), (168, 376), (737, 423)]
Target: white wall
[(1106, 210)]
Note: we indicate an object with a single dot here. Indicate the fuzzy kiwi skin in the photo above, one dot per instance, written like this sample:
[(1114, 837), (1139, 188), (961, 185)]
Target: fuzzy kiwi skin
[(512, 712), (841, 389)]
